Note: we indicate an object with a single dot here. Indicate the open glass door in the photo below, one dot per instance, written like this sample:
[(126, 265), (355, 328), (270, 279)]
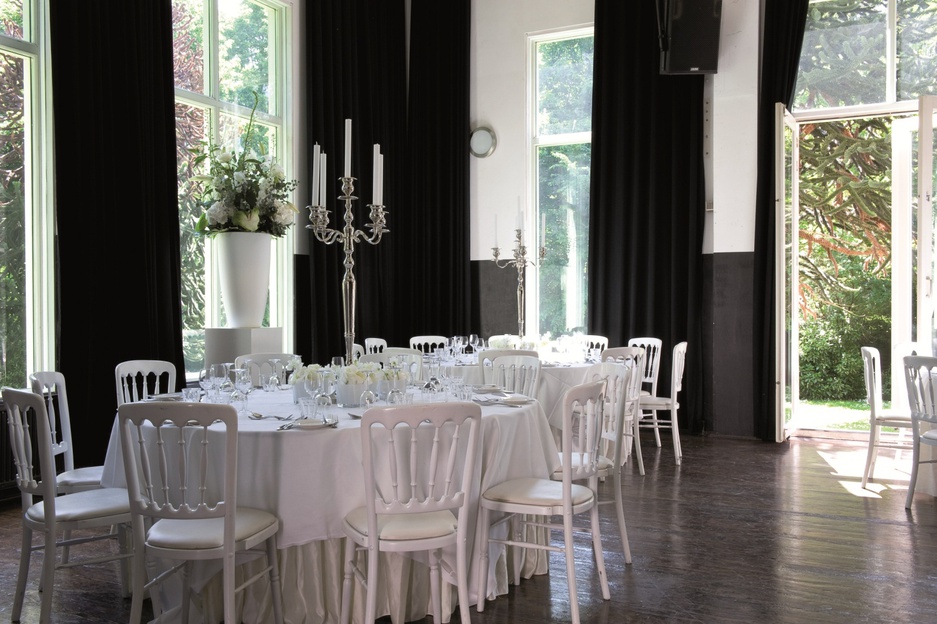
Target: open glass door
[(926, 177), (787, 142)]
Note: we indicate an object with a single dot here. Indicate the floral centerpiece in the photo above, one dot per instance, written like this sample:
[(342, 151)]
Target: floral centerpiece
[(243, 191)]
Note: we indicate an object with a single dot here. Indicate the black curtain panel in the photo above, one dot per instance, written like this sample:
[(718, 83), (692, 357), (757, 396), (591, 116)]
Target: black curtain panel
[(117, 221), (416, 280), (355, 69), (647, 197), (436, 221), (783, 35)]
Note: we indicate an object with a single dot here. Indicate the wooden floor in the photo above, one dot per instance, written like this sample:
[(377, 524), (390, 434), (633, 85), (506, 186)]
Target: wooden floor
[(743, 532)]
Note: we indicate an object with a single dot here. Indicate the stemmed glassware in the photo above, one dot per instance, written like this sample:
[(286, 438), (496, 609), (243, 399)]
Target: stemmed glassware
[(324, 395), (275, 363), (367, 397), (218, 375), (457, 343), (473, 341), (244, 383), (204, 379)]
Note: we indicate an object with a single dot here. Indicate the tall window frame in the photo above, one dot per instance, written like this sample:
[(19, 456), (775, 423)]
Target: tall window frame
[(546, 229), (214, 98), (30, 300)]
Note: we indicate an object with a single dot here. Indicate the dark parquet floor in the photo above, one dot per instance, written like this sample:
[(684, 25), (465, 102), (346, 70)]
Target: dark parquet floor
[(743, 532)]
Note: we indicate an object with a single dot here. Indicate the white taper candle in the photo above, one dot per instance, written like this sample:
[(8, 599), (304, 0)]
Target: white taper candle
[(348, 148), (314, 189), (323, 177), (375, 179)]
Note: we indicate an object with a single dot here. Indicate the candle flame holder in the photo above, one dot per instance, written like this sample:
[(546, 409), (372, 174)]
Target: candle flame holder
[(520, 262), (348, 236)]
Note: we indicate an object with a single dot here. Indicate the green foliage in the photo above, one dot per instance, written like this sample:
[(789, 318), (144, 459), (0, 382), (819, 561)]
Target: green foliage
[(564, 85)]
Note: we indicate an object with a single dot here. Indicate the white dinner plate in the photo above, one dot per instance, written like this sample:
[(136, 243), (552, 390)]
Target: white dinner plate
[(169, 396), (315, 423), (518, 400)]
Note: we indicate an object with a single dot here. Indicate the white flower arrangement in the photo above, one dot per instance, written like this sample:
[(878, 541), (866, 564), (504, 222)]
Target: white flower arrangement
[(360, 373), (303, 373), (502, 342), (243, 192)]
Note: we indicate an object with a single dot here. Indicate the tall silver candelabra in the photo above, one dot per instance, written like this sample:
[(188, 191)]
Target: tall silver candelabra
[(348, 236), (519, 262)]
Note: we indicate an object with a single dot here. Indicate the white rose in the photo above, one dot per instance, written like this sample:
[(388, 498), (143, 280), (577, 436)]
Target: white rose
[(225, 157)]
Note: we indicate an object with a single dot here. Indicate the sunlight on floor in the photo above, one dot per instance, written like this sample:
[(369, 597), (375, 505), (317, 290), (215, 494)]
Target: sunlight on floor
[(892, 470)]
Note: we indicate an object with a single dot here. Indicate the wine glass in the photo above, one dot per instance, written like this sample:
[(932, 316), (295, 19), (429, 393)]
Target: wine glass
[(204, 379), (395, 396), (457, 342), (367, 397), (274, 362), (338, 362), (244, 383), (473, 340), (324, 396), (218, 374)]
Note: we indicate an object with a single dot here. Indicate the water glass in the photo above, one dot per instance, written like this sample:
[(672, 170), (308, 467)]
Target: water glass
[(307, 407), (396, 396), (191, 395), (271, 383)]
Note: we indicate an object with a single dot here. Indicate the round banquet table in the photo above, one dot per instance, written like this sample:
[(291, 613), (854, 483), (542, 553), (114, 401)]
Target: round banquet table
[(311, 478)]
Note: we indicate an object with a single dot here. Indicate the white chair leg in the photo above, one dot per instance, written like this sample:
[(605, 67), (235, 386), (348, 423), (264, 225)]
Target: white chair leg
[(461, 566), (186, 593), (23, 573), (138, 580), (656, 426), (348, 581), (275, 586), (675, 430), (597, 544), (620, 512), (636, 436), (870, 456), (48, 574), (370, 610), (916, 456), (570, 568), (483, 531), (434, 591)]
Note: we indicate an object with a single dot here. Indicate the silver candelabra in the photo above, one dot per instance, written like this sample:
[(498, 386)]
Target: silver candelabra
[(348, 237), (519, 262)]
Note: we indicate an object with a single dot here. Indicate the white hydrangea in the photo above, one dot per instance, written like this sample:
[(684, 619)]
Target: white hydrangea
[(219, 213)]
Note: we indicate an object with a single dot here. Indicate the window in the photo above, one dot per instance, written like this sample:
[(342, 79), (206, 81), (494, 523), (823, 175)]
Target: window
[(867, 52), (26, 338), (561, 121), (225, 51)]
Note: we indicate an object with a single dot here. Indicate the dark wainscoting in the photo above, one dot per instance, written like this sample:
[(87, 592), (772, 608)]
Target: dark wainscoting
[(495, 301), (728, 305)]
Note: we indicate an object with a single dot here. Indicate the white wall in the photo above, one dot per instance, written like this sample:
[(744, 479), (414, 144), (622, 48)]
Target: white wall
[(499, 100), (731, 225)]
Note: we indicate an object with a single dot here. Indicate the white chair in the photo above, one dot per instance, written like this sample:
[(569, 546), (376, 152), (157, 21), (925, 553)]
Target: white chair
[(488, 356), (624, 398), (429, 343), (417, 490), (921, 379), (545, 497), (357, 351), (593, 341), (263, 365), (655, 404), (374, 345), (182, 482), (617, 420), (516, 373), (412, 359), (51, 386), (100, 508), (652, 348), (878, 417), (138, 378)]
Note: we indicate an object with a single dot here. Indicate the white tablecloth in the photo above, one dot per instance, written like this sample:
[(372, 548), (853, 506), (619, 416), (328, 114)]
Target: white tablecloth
[(311, 479)]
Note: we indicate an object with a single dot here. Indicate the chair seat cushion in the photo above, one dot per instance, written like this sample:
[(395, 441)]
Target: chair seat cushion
[(207, 533), (85, 505), (80, 477), (930, 436), (532, 491), (604, 463), (399, 527), (650, 402)]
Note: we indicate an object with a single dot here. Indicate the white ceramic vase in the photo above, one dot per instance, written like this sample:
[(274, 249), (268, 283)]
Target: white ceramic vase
[(244, 269)]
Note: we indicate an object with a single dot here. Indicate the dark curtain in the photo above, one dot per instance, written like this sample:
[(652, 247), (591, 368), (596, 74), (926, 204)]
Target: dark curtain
[(647, 197), (356, 69), (117, 221), (416, 280), (782, 36)]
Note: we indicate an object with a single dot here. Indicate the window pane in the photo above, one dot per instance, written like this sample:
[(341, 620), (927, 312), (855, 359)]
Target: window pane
[(12, 221), (563, 180), (232, 132), (843, 60), (564, 86), (191, 129), (14, 19), (917, 48), (245, 53), (187, 49)]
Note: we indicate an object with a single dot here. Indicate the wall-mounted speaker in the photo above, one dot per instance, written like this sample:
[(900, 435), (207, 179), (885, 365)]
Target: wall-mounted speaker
[(690, 36)]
